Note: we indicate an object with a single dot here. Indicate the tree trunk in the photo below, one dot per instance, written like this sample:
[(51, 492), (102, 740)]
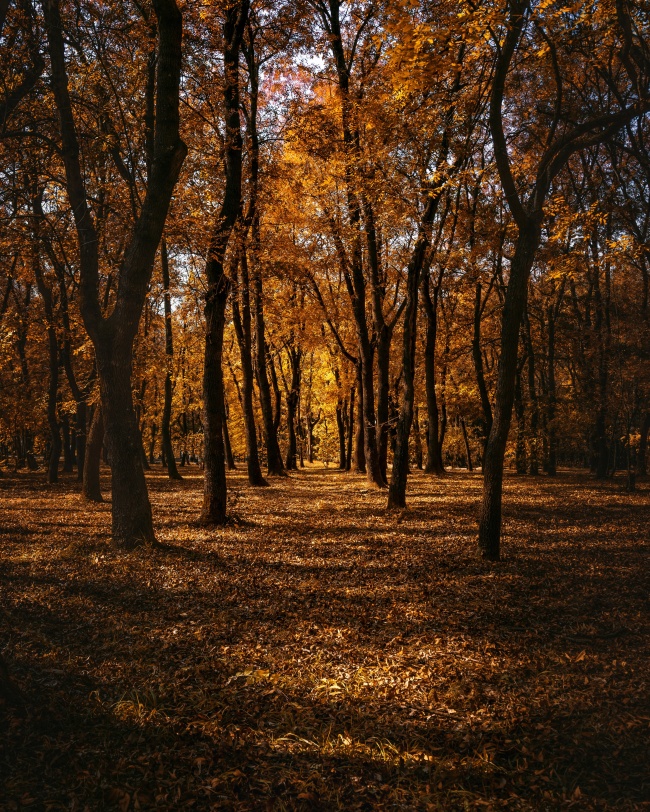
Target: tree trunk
[(642, 453), (397, 487), (434, 463), (418, 439), (242, 322), (80, 429), (468, 453), (551, 432), (293, 397), (350, 428), (91, 487), (520, 412), (132, 523), (68, 448), (168, 450), (214, 484), (274, 463), (230, 459), (359, 448), (490, 519), (478, 367), (340, 425), (533, 453)]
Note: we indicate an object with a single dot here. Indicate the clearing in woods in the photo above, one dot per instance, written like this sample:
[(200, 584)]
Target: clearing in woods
[(321, 653)]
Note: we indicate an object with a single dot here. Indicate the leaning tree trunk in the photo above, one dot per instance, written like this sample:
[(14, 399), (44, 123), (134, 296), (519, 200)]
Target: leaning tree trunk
[(91, 487), (113, 336)]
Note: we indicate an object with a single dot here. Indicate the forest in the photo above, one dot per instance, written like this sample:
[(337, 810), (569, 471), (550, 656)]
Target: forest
[(324, 404)]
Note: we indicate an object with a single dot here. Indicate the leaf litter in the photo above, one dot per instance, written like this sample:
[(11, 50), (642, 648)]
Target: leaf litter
[(321, 653)]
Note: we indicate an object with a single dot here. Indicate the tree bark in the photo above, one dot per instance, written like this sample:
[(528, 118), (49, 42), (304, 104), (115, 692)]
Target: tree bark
[(165, 430), (91, 487), (113, 336), (490, 520), (214, 491)]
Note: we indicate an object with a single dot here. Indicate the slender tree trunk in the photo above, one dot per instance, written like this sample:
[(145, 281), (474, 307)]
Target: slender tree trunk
[(214, 488), (434, 463), (230, 459), (478, 366), (80, 428), (168, 449), (359, 447), (520, 412), (91, 487), (468, 453), (533, 455), (350, 430), (383, 388), (68, 451), (242, 322), (52, 397), (490, 519), (274, 463), (340, 425), (551, 431), (642, 453), (418, 439), (397, 487)]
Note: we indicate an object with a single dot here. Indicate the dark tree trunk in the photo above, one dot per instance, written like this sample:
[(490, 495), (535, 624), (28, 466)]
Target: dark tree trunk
[(214, 454), (52, 397), (551, 432), (340, 425), (68, 448), (642, 454), (214, 491), (434, 464), (168, 450), (468, 453), (478, 366), (397, 487), (350, 428), (132, 523), (490, 520), (293, 397), (113, 337), (80, 428), (520, 412), (417, 437), (242, 322), (91, 487), (274, 463), (359, 447), (230, 459), (533, 454)]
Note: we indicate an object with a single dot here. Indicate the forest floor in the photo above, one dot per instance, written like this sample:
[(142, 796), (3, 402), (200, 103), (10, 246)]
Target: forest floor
[(320, 653)]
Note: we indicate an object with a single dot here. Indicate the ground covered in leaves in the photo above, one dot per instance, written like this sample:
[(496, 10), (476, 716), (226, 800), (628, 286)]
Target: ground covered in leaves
[(320, 653)]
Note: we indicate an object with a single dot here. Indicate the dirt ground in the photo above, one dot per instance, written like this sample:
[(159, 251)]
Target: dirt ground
[(322, 654)]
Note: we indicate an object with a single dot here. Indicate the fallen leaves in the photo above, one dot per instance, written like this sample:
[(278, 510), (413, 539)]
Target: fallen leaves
[(340, 659)]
